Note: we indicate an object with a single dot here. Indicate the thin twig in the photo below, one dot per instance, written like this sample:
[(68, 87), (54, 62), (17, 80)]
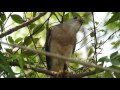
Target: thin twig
[(72, 60), (8, 18), (21, 26), (109, 38), (57, 17), (95, 45), (52, 73)]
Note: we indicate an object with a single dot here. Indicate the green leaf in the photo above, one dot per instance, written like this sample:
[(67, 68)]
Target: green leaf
[(116, 44), (115, 60), (4, 66), (66, 17), (3, 17), (28, 53), (115, 17), (8, 71), (35, 40), (17, 18), (9, 50), (113, 55), (1, 22), (107, 75), (90, 51), (74, 14), (10, 39), (92, 34), (18, 40), (38, 28), (27, 40), (0, 47), (34, 14), (31, 26), (102, 30), (1, 26), (115, 67), (117, 75), (103, 59), (20, 61)]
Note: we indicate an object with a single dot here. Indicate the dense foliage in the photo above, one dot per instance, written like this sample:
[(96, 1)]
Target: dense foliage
[(93, 38)]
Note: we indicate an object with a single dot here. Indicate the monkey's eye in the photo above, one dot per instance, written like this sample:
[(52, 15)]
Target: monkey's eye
[(75, 17)]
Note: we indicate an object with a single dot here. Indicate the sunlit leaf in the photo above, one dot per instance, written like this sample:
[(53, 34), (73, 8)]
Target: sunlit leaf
[(10, 39), (36, 40), (75, 14), (18, 40), (31, 26), (90, 52), (21, 61)]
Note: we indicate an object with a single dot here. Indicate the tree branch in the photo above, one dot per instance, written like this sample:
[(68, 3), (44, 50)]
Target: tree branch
[(22, 25), (51, 73), (72, 60), (95, 38)]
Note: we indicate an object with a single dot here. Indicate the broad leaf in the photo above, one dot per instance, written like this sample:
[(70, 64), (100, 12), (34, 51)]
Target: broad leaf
[(113, 55), (17, 18), (27, 40), (3, 17), (31, 26), (10, 39), (103, 59), (115, 17), (115, 58), (38, 28), (18, 40)]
